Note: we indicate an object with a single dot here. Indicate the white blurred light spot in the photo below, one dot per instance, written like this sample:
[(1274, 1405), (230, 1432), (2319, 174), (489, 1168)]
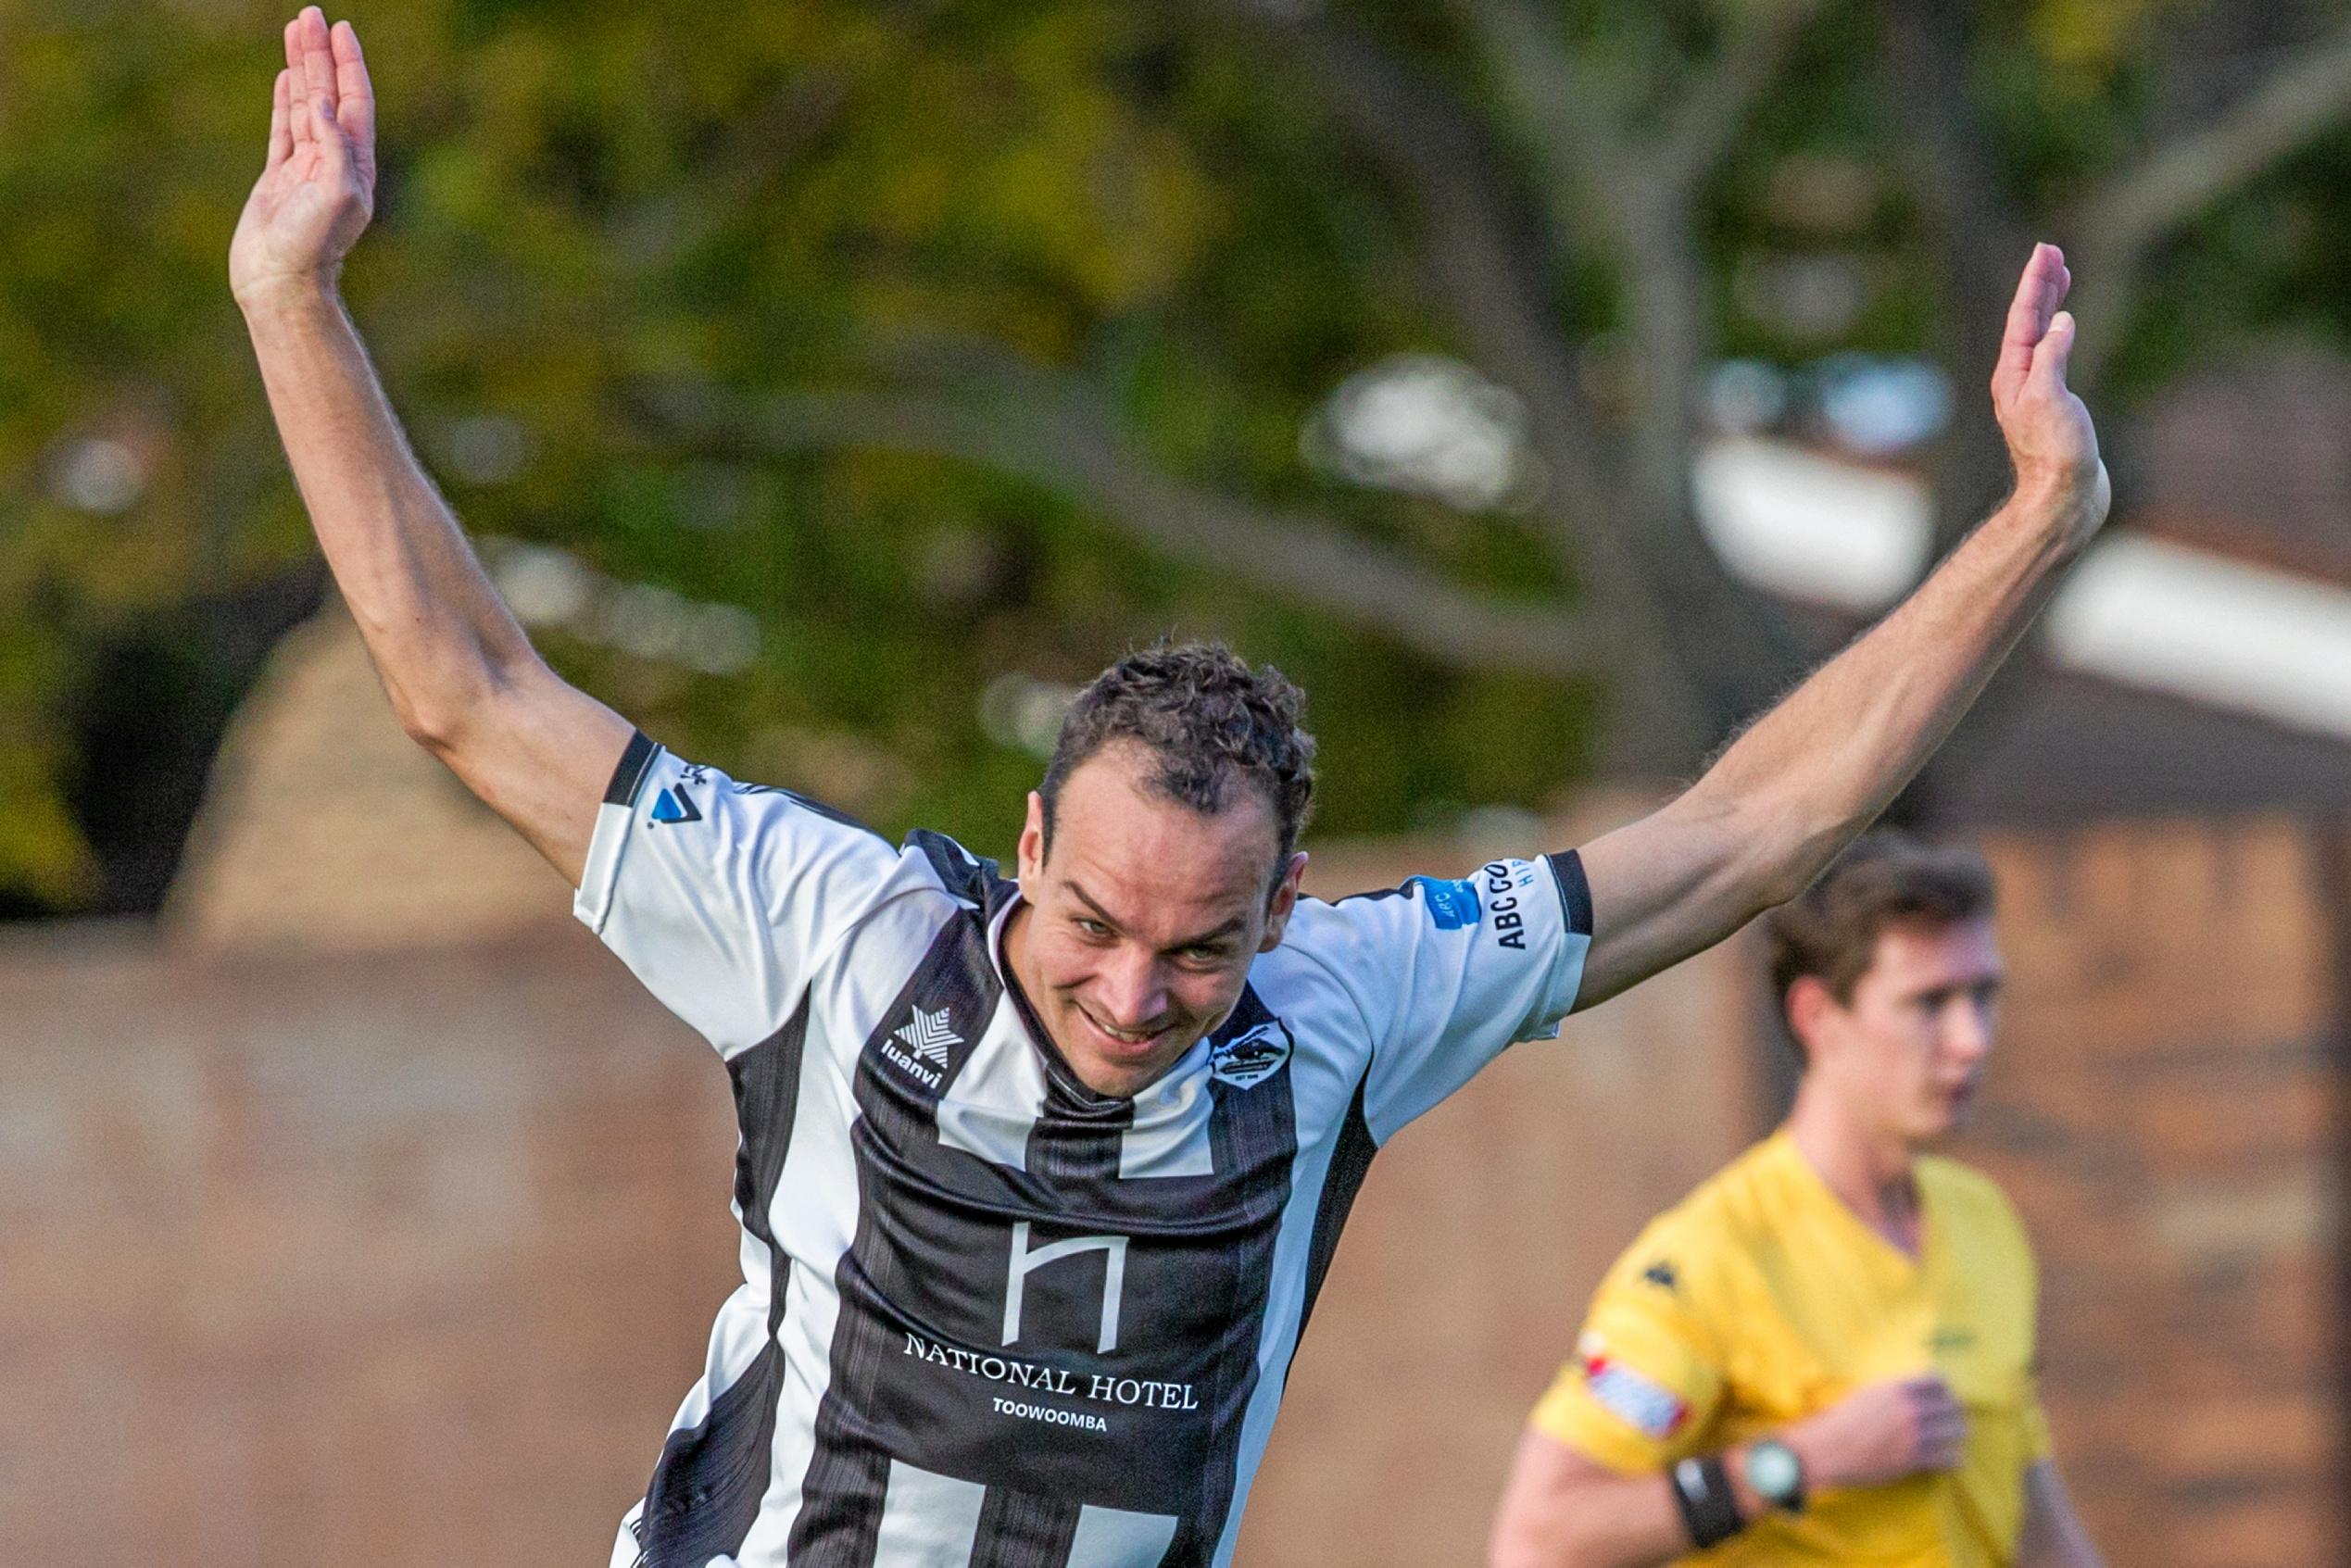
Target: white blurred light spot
[(2170, 618), (489, 449), (545, 587), (1427, 426), (648, 621), (1878, 407), (100, 476), (723, 639), (1811, 528), (548, 587), (1016, 709)]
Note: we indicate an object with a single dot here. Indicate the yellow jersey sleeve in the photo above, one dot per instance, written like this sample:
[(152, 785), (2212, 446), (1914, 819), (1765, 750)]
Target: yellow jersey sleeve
[(1645, 1378)]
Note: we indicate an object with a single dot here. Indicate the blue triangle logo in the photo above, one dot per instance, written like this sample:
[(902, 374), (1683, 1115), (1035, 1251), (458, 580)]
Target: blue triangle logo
[(674, 806)]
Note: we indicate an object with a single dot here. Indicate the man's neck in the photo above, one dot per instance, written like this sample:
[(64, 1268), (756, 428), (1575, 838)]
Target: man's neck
[(1869, 1167)]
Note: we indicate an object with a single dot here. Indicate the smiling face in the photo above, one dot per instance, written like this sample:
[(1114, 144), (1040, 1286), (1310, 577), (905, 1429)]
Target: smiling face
[(1906, 1056), (1138, 927)]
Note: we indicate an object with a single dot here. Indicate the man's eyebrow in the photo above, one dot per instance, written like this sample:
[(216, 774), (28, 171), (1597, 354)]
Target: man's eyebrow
[(1235, 923)]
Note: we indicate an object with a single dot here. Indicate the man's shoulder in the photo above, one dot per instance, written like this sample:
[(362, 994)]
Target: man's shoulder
[(1701, 1237), (1970, 1200)]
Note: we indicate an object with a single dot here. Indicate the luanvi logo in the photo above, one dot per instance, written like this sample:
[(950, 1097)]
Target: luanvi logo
[(1247, 1061), (928, 1035)]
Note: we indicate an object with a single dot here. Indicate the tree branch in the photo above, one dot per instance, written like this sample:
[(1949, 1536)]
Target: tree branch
[(2137, 207), (1057, 443), (1712, 112), (1587, 165)]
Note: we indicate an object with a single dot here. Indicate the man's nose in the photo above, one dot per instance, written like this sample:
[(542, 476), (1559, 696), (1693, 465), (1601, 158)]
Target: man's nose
[(1968, 1029), (1134, 991)]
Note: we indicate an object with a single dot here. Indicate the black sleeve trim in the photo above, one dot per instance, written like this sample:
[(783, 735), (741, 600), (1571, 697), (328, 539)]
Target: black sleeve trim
[(629, 777), (1575, 893)]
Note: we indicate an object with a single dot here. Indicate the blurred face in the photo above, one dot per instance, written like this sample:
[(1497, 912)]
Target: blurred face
[(1906, 1056), (1138, 928)]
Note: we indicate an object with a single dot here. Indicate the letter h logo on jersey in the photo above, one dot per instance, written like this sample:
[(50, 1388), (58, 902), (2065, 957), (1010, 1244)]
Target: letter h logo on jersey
[(1027, 1262)]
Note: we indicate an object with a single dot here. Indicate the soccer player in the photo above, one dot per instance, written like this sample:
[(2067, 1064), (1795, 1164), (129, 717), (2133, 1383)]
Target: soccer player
[(1825, 1354), (1039, 1177)]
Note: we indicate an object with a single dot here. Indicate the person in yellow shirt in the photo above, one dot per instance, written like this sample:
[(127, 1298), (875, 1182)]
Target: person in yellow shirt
[(1825, 1353)]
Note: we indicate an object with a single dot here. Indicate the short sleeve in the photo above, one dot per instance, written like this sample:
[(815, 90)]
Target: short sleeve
[(1645, 1381), (719, 896), (1449, 974)]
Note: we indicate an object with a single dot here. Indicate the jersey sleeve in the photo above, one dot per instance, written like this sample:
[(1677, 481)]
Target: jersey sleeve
[(1450, 974), (1646, 1379), (720, 896)]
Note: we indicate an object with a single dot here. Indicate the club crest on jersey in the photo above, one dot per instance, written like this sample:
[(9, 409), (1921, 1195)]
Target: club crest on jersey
[(1247, 1061)]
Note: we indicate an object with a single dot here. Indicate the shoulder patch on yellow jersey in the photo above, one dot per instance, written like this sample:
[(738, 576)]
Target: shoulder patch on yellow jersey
[(1632, 1397)]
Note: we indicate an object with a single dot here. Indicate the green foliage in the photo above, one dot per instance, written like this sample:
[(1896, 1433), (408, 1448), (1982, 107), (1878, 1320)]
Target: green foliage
[(590, 208)]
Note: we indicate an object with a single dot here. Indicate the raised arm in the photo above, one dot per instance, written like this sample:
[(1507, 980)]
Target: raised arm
[(462, 676), (1769, 816)]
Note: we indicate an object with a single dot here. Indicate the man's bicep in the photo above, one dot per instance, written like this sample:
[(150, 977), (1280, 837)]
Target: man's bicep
[(1661, 888), (541, 754)]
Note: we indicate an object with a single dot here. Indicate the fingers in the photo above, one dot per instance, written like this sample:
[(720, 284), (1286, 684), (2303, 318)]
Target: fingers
[(2039, 292), (335, 152), (2056, 348), (1940, 1434), (355, 95), (296, 88), (317, 55), (282, 120)]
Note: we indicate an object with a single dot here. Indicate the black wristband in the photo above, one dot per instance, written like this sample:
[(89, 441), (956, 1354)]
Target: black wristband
[(1709, 1511)]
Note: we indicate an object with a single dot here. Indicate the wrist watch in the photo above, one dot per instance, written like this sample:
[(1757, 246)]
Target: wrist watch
[(1776, 1475)]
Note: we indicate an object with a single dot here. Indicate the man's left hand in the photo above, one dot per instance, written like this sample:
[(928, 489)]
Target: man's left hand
[(2051, 440)]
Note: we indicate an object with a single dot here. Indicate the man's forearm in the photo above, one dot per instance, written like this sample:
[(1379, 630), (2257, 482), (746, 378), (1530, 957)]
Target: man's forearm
[(438, 632), (1577, 1515)]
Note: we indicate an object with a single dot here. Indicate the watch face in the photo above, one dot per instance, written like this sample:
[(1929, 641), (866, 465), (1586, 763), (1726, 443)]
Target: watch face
[(1772, 1471)]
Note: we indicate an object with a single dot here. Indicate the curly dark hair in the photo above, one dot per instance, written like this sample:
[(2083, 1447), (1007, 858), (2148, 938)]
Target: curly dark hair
[(1209, 719), (1886, 878)]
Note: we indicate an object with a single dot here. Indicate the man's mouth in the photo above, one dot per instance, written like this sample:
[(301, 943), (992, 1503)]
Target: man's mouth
[(1124, 1042)]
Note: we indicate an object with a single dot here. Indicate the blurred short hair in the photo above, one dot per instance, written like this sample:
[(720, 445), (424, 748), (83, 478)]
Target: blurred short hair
[(1887, 878), (1209, 722)]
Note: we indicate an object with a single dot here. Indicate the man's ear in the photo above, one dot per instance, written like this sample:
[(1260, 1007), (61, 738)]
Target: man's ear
[(1284, 901), (1031, 852), (1807, 1006)]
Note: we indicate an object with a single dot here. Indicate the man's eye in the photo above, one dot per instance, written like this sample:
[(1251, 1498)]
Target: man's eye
[(1202, 955), (1092, 927)]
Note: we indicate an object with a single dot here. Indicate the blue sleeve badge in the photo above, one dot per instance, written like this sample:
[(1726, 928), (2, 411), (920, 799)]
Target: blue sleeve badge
[(1452, 905)]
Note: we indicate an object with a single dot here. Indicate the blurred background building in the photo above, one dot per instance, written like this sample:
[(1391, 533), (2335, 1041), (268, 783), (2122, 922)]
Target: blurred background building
[(1544, 386)]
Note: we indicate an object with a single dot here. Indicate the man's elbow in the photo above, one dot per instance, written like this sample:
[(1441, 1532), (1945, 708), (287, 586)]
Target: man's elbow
[(1553, 1541), (1780, 848), (444, 714)]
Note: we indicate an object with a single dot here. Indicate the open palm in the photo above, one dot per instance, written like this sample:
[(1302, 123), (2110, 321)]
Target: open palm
[(317, 190), (2051, 441)]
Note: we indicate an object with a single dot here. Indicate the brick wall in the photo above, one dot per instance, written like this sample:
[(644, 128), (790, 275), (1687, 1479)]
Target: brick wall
[(2167, 1112), (406, 1258)]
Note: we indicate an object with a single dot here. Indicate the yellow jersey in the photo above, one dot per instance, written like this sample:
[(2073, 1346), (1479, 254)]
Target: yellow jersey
[(1762, 1299)]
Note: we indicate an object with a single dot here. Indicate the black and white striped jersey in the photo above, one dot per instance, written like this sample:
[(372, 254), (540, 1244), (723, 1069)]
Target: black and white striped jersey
[(987, 1316)]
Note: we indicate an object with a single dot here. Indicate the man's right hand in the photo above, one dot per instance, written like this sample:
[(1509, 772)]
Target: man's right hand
[(1888, 1430), (317, 190)]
